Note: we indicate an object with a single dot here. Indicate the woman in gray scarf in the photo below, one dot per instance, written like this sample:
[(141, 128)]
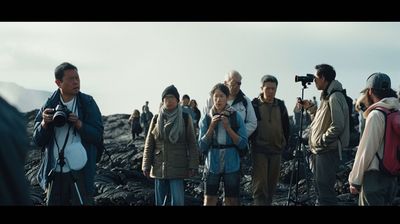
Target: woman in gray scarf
[(170, 151)]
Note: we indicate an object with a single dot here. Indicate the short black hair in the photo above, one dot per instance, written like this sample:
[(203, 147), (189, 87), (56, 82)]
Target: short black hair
[(59, 71), (221, 87), (327, 71), (269, 78), (185, 97)]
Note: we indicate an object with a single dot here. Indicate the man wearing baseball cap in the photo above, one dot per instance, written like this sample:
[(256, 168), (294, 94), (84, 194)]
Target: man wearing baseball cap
[(374, 187)]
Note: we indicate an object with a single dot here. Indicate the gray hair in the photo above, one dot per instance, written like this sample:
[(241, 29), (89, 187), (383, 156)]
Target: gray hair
[(233, 74)]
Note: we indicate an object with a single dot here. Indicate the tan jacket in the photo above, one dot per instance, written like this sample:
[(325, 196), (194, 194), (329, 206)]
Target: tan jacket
[(166, 160), (330, 122), (371, 141)]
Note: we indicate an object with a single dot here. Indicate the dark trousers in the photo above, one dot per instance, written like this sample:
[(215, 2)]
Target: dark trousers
[(62, 190), (377, 189), (325, 166)]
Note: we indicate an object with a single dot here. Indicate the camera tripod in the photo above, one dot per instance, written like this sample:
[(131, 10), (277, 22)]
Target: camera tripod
[(298, 161), (61, 161)]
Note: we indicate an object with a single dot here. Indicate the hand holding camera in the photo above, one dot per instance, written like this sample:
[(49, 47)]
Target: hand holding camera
[(220, 117), (63, 115), (303, 103), (47, 116), (225, 121), (74, 120), (362, 102)]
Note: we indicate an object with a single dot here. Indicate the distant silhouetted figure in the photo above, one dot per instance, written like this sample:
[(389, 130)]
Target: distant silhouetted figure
[(13, 148), (197, 114), (145, 119), (134, 121)]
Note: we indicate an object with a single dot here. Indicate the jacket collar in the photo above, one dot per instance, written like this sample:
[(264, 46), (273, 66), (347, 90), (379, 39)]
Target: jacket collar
[(239, 97)]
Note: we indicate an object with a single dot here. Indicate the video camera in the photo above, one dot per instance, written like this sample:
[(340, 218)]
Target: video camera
[(61, 113), (309, 78)]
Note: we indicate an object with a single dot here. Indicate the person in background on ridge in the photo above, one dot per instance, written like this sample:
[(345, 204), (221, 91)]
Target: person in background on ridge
[(270, 139), (145, 119), (186, 107), (374, 186), (238, 100), (197, 114), (134, 121), (329, 132), (170, 151), (14, 187), (78, 136), (220, 140)]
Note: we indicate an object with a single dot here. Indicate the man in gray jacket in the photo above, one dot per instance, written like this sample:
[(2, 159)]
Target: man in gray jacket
[(329, 132)]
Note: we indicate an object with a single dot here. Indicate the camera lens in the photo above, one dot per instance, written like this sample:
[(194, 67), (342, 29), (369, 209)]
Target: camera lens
[(60, 116)]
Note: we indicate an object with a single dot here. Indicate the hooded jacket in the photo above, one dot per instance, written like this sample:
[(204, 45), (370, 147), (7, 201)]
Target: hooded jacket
[(330, 125)]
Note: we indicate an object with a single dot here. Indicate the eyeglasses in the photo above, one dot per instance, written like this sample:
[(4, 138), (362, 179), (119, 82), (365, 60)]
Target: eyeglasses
[(232, 83)]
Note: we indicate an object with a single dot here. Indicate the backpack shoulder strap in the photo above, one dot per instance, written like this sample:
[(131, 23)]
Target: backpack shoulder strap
[(185, 118), (284, 119), (233, 121), (254, 102), (244, 101), (385, 112), (281, 105)]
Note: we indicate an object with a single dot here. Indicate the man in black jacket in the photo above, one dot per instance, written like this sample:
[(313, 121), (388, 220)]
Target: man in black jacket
[(70, 137)]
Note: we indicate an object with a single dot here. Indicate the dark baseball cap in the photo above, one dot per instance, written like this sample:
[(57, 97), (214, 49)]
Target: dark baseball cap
[(378, 81)]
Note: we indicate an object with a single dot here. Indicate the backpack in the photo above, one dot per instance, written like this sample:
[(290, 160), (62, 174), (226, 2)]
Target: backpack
[(235, 127), (390, 163)]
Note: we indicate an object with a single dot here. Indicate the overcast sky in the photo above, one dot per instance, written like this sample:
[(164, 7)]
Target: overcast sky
[(124, 64)]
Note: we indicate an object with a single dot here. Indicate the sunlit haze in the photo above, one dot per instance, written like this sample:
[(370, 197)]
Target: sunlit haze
[(124, 64)]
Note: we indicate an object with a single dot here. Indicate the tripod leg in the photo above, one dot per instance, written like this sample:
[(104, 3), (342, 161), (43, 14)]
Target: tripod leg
[(75, 177), (49, 193), (77, 192), (290, 183)]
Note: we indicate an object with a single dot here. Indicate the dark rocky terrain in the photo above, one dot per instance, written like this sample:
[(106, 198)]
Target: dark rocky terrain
[(119, 180)]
